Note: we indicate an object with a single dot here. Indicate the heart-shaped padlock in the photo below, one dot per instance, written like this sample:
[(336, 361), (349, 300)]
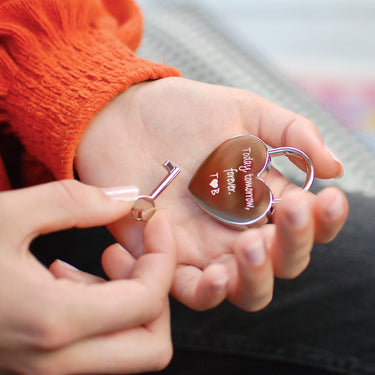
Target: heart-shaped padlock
[(228, 185)]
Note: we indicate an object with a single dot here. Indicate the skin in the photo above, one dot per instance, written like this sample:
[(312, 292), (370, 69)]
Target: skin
[(63, 321), (183, 121)]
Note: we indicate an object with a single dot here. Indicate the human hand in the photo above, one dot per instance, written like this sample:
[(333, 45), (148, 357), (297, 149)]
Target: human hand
[(183, 121), (65, 321)]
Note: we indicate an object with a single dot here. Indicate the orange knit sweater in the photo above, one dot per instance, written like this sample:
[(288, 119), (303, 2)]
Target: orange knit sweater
[(60, 62)]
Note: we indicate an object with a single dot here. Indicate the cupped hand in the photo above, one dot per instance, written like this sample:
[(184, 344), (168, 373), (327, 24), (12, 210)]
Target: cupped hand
[(183, 121), (64, 321)]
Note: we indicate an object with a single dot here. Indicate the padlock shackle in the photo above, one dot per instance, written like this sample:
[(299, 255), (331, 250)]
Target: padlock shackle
[(291, 151)]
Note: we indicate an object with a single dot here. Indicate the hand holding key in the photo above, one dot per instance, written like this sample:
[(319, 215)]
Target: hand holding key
[(144, 206), (69, 322)]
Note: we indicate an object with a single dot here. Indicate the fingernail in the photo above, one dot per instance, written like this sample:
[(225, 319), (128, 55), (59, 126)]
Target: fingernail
[(122, 193), (336, 209), (66, 265), (330, 152), (255, 253), (298, 215)]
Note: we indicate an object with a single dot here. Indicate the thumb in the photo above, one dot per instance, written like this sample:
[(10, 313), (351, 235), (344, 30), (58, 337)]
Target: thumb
[(63, 204)]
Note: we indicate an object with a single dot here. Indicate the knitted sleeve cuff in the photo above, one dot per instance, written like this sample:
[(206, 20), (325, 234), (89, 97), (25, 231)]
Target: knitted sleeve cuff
[(54, 81)]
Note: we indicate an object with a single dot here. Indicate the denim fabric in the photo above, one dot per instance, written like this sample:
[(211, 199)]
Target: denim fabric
[(322, 321)]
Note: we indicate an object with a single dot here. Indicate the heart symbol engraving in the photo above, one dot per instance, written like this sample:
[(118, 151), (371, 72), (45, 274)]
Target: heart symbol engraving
[(227, 184), (214, 183)]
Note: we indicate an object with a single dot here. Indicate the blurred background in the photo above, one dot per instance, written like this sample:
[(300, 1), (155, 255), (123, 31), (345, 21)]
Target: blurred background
[(327, 47)]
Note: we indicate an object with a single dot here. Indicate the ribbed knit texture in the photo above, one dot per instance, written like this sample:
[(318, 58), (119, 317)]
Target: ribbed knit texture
[(61, 61)]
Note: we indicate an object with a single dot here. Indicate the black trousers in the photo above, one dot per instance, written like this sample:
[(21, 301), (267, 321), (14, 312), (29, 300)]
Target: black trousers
[(323, 322)]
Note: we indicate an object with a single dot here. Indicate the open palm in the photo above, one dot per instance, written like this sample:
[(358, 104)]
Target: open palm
[(183, 121)]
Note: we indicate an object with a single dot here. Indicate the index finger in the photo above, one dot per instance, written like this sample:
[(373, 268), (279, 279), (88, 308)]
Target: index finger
[(59, 205)]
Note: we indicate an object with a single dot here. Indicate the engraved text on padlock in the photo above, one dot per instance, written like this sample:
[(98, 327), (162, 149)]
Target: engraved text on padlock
[(228, 185)]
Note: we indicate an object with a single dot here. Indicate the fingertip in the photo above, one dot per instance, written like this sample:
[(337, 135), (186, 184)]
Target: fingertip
[(201, 290), (253, 289), (60, 269), (295, 229), (293, 211), (331, 210), (217, 278), (63, 270), (333, 204), (121, 196), (158, 234), (117, 263), (161, 215), (250, 249), (212, 287), (339, 166), (122, 193), (326, 163), (156, 267), (159, 221)]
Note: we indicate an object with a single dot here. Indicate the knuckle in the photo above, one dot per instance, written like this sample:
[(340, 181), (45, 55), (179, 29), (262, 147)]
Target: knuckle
[(45, 337), (48, 334), (158, 303), (308, 123), (71, 191), (72, 198)]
